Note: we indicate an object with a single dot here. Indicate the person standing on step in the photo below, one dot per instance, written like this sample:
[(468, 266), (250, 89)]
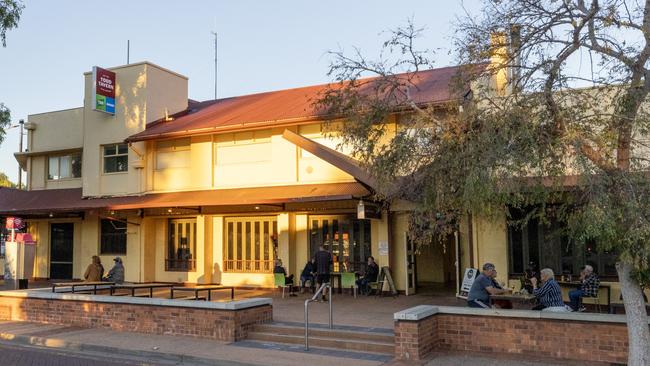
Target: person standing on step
[(323, 263)]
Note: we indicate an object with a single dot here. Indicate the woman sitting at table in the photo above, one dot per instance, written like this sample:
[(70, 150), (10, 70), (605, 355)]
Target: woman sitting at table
[(550, 294)]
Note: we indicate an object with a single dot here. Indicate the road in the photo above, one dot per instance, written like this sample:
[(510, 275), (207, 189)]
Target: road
[(18, 355)]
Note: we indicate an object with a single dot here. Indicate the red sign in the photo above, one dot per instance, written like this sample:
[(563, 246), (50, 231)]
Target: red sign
[(14, 223), (105, 82)]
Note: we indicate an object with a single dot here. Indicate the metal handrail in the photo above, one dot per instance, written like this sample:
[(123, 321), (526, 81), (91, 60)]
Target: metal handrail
[(314, 298)]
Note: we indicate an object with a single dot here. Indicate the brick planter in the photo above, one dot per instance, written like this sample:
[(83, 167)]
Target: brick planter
[(220, 321), (569, 336)]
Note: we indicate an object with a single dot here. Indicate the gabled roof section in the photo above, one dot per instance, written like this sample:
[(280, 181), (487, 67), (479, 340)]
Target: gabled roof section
[(338, 159), (283, 107)]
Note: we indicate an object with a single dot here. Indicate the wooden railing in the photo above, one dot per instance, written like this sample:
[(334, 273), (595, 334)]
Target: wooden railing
[(249, 266), (180, 265)]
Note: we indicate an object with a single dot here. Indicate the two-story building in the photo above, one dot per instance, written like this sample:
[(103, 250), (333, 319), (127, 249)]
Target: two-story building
[(213, 191)]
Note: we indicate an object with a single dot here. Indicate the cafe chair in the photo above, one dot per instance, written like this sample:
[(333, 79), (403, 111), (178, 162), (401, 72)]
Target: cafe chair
[(349, 280), (280, 282), (378, 287)]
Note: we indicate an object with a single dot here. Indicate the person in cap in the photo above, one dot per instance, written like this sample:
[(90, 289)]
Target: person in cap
[(483, 287), (116, 274)]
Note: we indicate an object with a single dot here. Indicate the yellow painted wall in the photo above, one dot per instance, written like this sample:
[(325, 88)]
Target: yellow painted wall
[(399, 221), (143, 92), (57, 130), (301, 246), (491, 245)]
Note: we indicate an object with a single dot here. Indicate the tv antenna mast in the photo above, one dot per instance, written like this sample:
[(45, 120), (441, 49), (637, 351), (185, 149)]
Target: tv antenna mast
[(215, 64)]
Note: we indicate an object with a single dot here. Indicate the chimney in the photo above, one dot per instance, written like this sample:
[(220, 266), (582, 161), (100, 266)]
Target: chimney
[(505, 60)]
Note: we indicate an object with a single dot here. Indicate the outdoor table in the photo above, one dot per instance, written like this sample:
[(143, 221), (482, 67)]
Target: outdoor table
[(207, 288), (136, 286), (603, 285), (72, 285), (522, 298)]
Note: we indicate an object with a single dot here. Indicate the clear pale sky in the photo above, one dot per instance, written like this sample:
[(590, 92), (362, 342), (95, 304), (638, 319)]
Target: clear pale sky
[(263, 45)]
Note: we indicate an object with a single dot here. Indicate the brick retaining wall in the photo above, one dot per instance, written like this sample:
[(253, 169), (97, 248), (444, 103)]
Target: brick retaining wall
[(219, 324), (534, 335)]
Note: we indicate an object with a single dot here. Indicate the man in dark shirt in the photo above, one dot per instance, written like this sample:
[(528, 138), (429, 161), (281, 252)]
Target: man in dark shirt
[(483, 287), (308, 274), (370, 276), (323, 263)]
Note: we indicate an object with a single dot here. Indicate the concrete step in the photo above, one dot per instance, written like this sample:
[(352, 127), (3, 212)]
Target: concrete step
[(326, 342), (360, 334)]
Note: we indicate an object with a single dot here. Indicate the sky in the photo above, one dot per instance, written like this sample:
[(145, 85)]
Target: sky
[(262, 45)]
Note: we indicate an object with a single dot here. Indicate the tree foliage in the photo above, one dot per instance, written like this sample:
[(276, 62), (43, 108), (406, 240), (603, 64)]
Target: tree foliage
[(551, 115), (5, 182), (10, 11)]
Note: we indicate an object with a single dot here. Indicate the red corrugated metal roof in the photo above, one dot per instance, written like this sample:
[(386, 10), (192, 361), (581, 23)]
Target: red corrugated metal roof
[(281, 107)]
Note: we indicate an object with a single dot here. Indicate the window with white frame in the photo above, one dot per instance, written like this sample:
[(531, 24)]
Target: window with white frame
[(172, 154), (250, 244), (116, 158), (64, 166)]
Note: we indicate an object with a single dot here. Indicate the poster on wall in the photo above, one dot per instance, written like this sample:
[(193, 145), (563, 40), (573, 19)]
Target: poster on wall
[(103, 97)]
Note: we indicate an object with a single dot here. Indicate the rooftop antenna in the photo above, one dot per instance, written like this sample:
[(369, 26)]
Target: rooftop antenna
[(215, 64), (128, 48)]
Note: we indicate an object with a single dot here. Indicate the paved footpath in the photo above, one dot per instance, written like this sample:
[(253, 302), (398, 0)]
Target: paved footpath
[(25, 343)]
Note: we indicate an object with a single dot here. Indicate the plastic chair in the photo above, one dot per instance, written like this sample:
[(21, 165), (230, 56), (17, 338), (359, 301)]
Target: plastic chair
[(349, 280), (280, 282)]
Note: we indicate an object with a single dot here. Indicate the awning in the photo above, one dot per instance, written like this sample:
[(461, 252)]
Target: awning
[(17, 202)]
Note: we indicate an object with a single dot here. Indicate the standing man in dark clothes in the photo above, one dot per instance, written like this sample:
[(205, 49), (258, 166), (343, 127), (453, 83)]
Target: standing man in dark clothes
[(323, 262)]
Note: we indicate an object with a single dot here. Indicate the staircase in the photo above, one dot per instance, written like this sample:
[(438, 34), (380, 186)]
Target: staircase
[(356, 339)]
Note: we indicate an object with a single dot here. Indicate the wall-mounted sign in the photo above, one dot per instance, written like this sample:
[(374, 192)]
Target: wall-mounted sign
[(14, 223), (103, 97)]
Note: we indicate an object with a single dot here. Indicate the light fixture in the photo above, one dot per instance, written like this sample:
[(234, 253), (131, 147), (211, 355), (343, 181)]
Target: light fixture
[(169, 210), (257, 207), (51, 214), (361, 210)]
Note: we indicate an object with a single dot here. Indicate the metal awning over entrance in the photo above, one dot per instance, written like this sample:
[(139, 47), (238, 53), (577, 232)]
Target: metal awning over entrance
[(19, 202)]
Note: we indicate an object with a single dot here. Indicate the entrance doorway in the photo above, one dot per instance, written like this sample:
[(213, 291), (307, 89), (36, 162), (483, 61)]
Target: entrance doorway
[(436, 267), (61, 237), (346, 238)]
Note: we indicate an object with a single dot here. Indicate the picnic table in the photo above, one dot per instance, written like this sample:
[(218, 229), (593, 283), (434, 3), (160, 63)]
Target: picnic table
[(521, 298), (136, 286), (72, 285), (198, 288)]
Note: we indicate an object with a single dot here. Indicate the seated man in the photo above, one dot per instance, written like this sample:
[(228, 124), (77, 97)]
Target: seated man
[(308, 274), (116, 274), (550, 294), (588, 288), (502, 304), (483, 287), (369, 276), (288, 280)]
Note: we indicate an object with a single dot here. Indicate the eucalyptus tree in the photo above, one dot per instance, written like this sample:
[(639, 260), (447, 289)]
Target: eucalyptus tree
[(550, 114)]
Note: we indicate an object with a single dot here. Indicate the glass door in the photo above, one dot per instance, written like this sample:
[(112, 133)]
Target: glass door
[(348, 240), (61, 249)]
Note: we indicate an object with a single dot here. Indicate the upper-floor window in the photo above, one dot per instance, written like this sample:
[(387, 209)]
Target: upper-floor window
[(116, 158), (64, 166), (173, 154)]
